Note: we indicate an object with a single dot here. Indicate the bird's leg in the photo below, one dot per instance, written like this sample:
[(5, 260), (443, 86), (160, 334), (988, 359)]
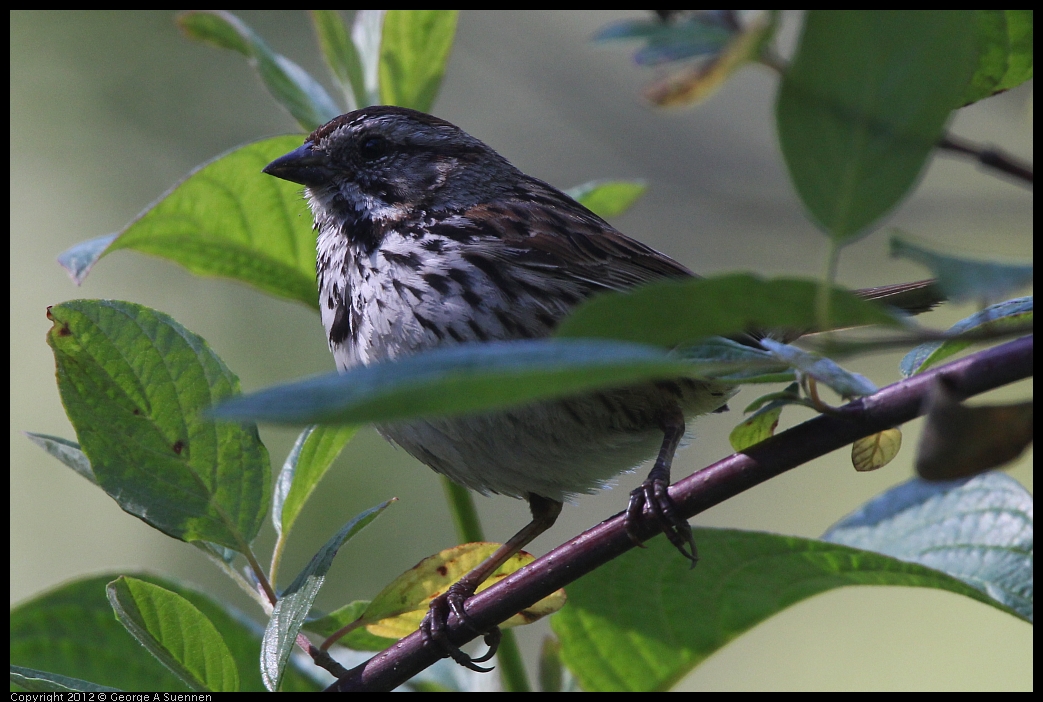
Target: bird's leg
[(544, 513), (653, 492)]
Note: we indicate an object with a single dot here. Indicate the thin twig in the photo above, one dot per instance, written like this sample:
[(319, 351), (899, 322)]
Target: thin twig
[(989, 158)]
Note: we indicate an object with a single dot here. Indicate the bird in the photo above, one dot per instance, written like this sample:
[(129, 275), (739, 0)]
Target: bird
[(428, 238)]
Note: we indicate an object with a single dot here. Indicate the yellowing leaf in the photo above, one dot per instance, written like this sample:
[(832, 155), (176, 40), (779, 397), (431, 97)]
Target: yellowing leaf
[(876, 451)]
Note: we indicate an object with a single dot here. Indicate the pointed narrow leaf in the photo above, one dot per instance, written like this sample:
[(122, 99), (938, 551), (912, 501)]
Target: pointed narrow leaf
[(963, 279), (367, 35), (176, 633), (291, 86), (844, 382), (642, 621), (290, 611), (135, 384), (413, 55), (312, 455), (456, 380), (978, 531), (1016, 312), (41, 681), (225, 219), (341, 56), (68, 452), (863, 104)]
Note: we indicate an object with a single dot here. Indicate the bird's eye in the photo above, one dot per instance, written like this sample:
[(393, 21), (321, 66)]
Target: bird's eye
[(372, 148)]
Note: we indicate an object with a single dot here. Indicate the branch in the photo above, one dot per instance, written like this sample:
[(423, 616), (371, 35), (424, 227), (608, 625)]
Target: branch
[(989, 158), (895, 404)]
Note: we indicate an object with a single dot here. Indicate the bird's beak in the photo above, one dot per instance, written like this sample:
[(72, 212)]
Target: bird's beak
[(302, 165)]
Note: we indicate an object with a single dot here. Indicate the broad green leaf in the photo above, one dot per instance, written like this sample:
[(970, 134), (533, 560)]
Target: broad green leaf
[(608, 198), (457, 380), (863, 104), (176, 633), (291, 86), (876, 451), (1009, 313), (963, 279), (399, 608), (280, 635), (413, 55), (226, 219), (42, 681), (978, 531), (68, 452), (70, 630), (312, 455), (135, 385), (844, 382), (644, 620), (674, 312), (341, 56)]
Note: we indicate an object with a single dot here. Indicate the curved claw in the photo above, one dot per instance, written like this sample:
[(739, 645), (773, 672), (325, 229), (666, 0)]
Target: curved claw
[(434, 629), (653, 492)]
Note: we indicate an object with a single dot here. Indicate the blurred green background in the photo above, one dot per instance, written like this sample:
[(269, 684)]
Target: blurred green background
[(109, 110)]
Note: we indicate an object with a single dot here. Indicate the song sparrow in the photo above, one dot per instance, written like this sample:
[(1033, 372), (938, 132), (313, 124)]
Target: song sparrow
[(428, 238)]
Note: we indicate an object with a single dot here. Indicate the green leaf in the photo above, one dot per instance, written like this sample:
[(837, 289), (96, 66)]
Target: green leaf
[(674, 312), (291, 86), (225, 219), (135, 384), (844, 382), (755, 429), (340, 54), (608, 198), (176, 633), (68, 452), (367, 34), (70, 630), (413, 55), (457, 380), (863, 104), (42, 681), (978, 531), (1010, 313), (644, 620), (963, 279), (312, 455), (876, 451), (281, 633), (993, 50), (1019, 61)]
